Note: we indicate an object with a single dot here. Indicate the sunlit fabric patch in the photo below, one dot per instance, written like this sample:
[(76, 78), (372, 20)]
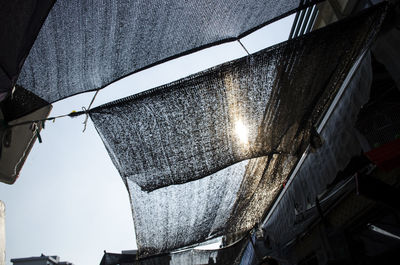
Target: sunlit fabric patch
[(85, 45), (258, 110)]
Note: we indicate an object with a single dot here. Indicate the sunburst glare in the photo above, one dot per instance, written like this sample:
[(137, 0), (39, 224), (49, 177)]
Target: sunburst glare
[(241, 131)]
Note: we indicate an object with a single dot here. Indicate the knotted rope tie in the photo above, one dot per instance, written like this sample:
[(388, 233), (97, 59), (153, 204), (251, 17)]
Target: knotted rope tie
[(86, 118), (86, 111)]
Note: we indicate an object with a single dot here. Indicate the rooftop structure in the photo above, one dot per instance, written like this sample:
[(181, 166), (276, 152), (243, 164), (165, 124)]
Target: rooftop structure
[(41, 260)]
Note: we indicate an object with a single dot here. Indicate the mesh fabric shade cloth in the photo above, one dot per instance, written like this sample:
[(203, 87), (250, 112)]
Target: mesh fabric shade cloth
[(225, 256), (190, 133), (20, 22), (85, 45)]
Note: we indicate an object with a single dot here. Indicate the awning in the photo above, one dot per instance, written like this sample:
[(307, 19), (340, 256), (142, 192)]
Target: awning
[(86, 45), (206, 155)]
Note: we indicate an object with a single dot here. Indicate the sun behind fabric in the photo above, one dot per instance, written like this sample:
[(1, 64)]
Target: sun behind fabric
[(206, 155)]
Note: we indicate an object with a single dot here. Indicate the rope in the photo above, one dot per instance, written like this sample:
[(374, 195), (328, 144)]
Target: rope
[(86, 110), (244, 48), (72, 114)]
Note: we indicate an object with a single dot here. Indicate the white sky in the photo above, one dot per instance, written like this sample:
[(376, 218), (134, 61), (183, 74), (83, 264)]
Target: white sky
[(69, 199)]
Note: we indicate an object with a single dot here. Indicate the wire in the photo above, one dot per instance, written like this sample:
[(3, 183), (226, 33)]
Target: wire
[(73, 114)]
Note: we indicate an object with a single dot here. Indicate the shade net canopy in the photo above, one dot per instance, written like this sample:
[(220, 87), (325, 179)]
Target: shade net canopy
[(20, 22), (230, 255), (191, 172), (86, 45)]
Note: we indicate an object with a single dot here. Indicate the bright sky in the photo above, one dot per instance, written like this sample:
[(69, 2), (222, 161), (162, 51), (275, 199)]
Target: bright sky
[(69, 199)]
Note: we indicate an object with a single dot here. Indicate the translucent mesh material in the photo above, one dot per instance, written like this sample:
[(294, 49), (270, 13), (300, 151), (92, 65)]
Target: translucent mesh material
[(20, 22), (225, 256), (188, 132), (181, 215), (85, 45)]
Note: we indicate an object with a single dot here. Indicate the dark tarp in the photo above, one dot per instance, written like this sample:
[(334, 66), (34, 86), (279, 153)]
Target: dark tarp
[(85, 45), (224, 256), (20, 22), (188, 130)]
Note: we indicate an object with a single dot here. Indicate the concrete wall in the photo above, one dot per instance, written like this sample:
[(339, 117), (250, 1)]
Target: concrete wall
[(2, 234)]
